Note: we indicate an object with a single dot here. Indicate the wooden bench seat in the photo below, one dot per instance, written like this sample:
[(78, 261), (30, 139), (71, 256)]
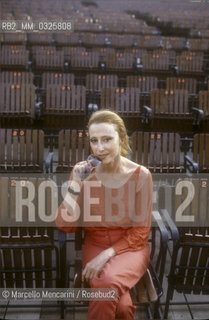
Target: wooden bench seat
[(159, 152)]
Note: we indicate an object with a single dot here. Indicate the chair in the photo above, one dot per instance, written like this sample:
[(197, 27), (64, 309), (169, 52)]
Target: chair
[(16, 77), (67, 39), (200, 160), (124, 41), (137, 52), (175, 105), (119, 61), (176, 43), (14, 56), (187, 223), (73, 147), (96, 82), (159, 152), (17, 101), (69, 52), (145, 83), (148, 290), (29, 253), (203, 102), (55, 78), (165, 103), (170, 53), (14, 38), (148, 41), (65, 99), (65, 106), (156, 62), (48, 58), (85, 60), (189, 84), (40, 38), (21, 150), (198, 44), (189, 64), (124, 101)]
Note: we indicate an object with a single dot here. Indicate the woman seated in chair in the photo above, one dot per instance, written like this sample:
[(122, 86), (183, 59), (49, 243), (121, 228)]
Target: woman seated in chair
[(112, 197)]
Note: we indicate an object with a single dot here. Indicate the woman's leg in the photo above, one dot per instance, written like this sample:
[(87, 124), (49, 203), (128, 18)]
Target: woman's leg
[(121, 272), (125, 308)]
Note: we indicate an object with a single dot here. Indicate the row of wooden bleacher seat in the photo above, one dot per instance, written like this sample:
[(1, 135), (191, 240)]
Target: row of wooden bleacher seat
[(96, 82), (23, 151), (108, 39), (19, 100), (44, 57)]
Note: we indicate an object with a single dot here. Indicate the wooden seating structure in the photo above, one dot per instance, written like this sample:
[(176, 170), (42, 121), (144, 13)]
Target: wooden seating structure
[(174, 43), (198, 44), (14, 38), (14, 55), (122, 41), (103, 51), (166, 103), (119, 61), (70, 51), (96, 82), (144, 83), (162, 52), (39, 38), (201, 152), (173, 83), (73, 147), (189, 63), (65, 99), (148, 42), (17, 100), (57, 78), (47, 57), (188, 227), (21, 150), (159, 152), (29, 254), (85, 60), (16, 77), (137, 52), (71, 38), (155, 61), (100, 40), (203, 102), (147, 292), (125, 101)]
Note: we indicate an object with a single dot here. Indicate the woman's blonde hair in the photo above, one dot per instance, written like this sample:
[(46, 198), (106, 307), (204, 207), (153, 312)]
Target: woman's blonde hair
[(108, 116)]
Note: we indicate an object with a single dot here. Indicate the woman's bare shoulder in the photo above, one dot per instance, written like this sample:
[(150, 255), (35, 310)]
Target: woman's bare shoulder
[(130, 165)]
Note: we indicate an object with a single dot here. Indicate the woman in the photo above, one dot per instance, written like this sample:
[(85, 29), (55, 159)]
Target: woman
[(113, 195)]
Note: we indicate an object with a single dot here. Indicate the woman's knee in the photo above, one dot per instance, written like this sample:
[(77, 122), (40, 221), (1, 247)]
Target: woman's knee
[(105, 280)]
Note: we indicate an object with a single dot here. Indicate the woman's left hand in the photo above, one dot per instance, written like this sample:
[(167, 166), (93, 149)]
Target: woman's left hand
[(94, 267)]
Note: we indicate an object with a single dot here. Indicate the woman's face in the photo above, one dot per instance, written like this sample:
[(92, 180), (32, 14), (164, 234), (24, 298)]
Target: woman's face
[(104, 142)]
